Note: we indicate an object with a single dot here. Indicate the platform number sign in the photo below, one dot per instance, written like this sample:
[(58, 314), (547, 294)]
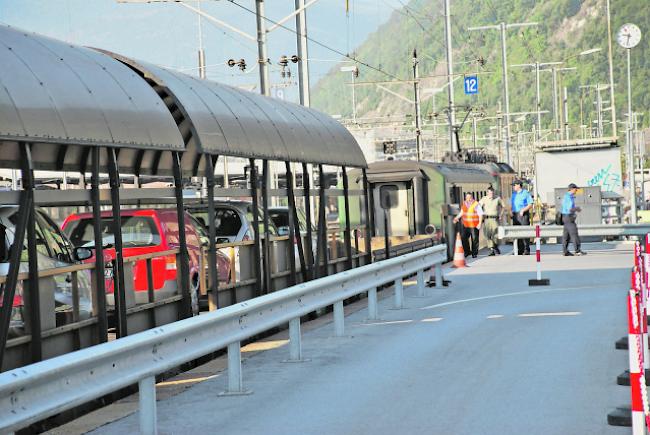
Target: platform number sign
[(471, 85)]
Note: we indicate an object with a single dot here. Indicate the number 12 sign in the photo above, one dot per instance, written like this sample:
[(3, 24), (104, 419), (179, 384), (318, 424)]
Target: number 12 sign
[(471, 85)]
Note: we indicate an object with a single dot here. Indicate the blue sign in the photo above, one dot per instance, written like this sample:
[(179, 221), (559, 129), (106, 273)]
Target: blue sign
[(471, 85)]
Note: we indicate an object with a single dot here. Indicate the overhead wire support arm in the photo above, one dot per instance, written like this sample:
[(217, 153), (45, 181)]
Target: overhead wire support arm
[(288, 17)]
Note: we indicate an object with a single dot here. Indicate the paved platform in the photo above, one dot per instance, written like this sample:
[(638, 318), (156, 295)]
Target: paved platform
[(487, 355)]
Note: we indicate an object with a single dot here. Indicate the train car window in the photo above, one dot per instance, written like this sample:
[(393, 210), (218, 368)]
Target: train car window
[(455, 194), (388, 196)]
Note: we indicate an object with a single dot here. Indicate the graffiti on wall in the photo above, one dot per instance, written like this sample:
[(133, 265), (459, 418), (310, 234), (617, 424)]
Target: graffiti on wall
[(606, 178)]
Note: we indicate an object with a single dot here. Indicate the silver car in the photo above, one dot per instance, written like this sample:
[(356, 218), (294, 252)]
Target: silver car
[(54, 250)]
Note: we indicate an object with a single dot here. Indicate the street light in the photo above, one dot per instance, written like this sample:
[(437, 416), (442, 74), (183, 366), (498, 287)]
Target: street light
[(355, 73)]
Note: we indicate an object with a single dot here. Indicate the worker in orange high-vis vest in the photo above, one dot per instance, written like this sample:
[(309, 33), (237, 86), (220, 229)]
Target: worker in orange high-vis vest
[(471, 214)]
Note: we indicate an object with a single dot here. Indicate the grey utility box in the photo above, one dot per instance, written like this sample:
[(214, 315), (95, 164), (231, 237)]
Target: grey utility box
[(589, 199)]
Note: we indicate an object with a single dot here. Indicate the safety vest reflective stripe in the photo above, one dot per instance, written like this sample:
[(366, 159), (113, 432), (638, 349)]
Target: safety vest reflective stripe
[(470, 216)]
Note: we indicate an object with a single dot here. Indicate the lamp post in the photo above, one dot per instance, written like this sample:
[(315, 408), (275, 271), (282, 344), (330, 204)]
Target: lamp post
[(504, 57)]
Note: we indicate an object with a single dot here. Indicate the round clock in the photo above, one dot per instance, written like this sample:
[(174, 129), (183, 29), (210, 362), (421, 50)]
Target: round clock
[(629, 35)]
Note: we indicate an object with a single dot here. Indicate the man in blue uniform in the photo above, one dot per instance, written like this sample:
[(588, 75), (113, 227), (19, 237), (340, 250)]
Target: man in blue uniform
[(570, 232), (521, 203)]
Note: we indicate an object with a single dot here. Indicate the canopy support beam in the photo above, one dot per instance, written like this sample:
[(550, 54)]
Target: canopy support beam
[(306, 186), (256, 228), (100, 267), (183, 257), (119, 284), (213, 271)]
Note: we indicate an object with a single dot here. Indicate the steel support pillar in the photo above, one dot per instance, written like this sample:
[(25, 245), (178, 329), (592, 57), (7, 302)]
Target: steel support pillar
[(306, 187), (322, 226), (268, 282), (9, 288), (294, 230), (213, 270), (370, 215), (31, 290), (184, 267), (348, 229), (256, 226), (119, 286), (100, 267)]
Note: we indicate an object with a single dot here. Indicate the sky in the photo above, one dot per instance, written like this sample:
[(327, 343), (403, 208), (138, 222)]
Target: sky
[(167, 34)]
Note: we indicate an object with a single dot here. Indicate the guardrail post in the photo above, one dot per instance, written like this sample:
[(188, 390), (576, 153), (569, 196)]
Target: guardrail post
[(295, 342), (147, 392), (515, 246), (399, 293), (437, 269), (339, 319), (235, 384), (420, 283), (373, 312)]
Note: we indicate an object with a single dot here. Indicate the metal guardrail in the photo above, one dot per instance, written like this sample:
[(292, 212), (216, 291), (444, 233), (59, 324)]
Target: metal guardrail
[(614, 230), (35, 392)]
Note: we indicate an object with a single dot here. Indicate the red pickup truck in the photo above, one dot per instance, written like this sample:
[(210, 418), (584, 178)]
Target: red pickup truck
[(147, 231)]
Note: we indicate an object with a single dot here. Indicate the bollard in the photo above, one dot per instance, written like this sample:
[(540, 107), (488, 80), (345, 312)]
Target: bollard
[(339, 319), (235, 384), (147, 398), (420, 283), (399, 294), (538, 255), (373, 311)]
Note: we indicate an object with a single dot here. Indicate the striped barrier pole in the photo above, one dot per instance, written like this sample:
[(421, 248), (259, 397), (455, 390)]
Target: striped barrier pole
[(538, 255), (636, 362), (640, 288)]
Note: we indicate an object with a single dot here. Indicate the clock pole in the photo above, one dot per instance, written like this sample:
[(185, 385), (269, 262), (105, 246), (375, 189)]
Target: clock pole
[(629, 36), (630, 145)]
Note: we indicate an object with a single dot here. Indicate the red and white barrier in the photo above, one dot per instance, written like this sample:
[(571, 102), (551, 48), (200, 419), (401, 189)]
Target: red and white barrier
[(637, 378), (538, 255)]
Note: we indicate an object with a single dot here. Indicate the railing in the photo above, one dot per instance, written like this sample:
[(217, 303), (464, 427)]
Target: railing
[(83, 310), (40, 390), (547, 231)]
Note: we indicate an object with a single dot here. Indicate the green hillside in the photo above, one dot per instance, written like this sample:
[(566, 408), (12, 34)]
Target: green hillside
[(566, 28)]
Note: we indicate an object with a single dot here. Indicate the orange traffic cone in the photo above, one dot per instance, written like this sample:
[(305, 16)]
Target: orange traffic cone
[(459, 253)]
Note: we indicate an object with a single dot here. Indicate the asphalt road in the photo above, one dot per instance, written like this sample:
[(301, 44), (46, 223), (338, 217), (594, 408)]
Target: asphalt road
[(487, 355)]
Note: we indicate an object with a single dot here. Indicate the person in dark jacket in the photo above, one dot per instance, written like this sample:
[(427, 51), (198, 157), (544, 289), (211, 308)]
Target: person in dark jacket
[(570, 232)]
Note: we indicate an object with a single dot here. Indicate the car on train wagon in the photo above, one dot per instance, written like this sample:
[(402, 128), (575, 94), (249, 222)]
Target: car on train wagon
[(146, 231), (234, 220), (54, 250), (234, 224)]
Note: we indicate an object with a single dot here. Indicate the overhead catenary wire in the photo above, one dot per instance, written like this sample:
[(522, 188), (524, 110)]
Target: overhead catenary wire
[(320, 44)]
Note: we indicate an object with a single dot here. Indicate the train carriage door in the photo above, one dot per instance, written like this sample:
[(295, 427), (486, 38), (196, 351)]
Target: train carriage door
[(392, 199)]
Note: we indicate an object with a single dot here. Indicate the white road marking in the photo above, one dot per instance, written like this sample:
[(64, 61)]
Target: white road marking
[(390, 322), (432, 319), (495, 316), (566, 313), (503, 295)]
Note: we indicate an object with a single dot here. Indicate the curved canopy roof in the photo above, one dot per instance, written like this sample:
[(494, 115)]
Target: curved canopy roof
[(65, 98), (233, 122), (397, 170)]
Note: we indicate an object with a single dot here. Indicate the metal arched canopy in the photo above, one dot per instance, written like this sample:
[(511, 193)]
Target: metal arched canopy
[(221, 120), (65, 99)]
